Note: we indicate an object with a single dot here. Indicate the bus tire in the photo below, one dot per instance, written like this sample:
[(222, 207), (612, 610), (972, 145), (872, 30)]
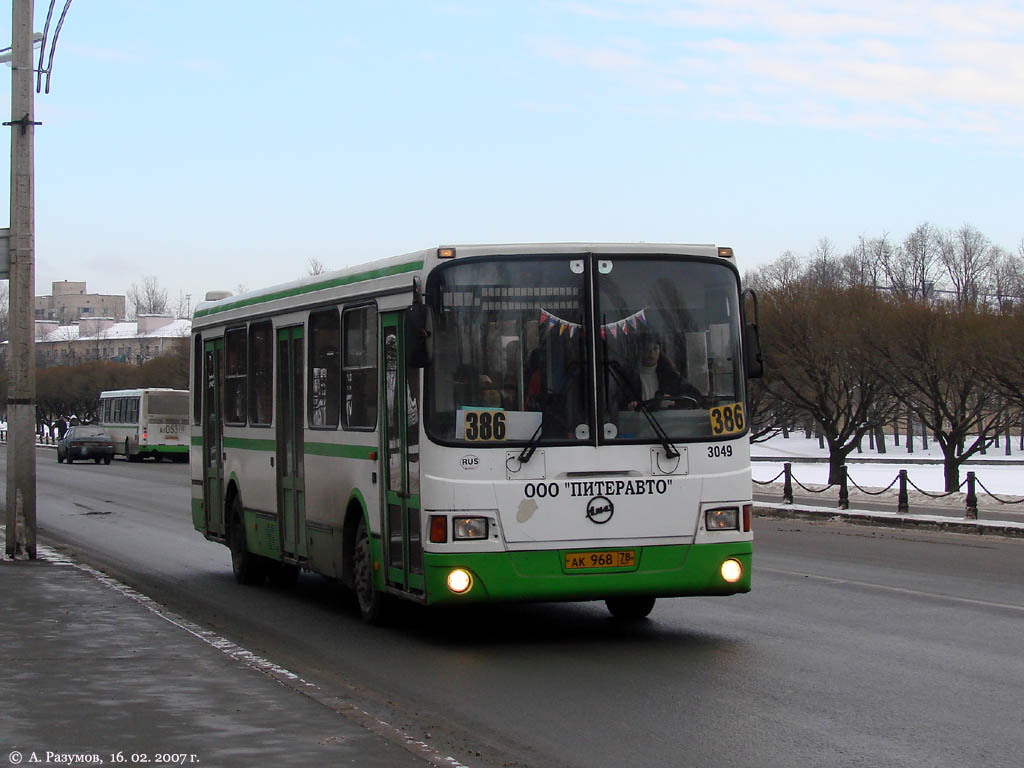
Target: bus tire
[(247, 567), (373, 605), (631, 607), (106, 459)]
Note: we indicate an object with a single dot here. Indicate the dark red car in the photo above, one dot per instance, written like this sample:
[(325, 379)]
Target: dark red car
[(85, 442)]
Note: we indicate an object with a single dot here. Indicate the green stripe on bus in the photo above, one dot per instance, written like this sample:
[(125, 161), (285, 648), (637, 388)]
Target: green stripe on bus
[(197, 440), (662, 571), (333, 450), (250, 444), (373, 274), (339, 451)]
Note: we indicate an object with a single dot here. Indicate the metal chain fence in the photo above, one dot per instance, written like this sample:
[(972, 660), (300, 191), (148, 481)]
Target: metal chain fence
[(904, 481)]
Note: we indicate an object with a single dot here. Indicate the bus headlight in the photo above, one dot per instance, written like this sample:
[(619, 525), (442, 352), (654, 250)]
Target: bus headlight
[(469, 528), (459, 581), (732, 570), (722, 519)]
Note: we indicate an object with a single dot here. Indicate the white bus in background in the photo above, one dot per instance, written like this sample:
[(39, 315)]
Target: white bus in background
[(149, 422)]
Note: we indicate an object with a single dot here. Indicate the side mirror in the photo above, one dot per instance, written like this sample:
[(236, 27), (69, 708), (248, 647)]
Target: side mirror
[(753, 359), (419, 336)]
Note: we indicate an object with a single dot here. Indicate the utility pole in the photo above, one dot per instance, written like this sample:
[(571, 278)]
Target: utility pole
[(21, 395)]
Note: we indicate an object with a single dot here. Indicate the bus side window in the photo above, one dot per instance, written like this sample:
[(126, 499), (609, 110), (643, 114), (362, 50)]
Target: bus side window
[(236, 376), (324, 369), (261, 372), (360, 368)]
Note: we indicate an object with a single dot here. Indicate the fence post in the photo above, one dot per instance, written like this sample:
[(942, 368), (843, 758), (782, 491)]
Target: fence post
[(787, 483), (844, 491), (903, 500), (972, 498)]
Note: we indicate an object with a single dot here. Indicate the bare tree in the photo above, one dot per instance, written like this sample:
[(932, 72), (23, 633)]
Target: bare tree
[(824, 266), (183, 307), (863, 265), (783, 273), (149, 299), (934, 358), (1007, 278), (815, 343), (965, 255), (912, 268), (316, 267)]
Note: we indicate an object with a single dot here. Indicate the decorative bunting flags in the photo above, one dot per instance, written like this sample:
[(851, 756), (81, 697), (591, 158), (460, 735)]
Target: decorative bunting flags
[(626, 325)]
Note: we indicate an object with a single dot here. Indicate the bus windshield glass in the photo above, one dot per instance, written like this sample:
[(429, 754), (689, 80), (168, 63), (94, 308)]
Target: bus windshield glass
[(510, 352), (668, 349), (513, 350), (171, 407)]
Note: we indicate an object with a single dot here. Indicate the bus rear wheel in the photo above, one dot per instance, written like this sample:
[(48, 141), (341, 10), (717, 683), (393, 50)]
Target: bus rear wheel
[(631, 608), (247, 567), (372, 604)]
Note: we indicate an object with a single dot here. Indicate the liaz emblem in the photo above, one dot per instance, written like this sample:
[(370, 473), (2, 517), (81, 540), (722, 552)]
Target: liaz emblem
[(600, 510)]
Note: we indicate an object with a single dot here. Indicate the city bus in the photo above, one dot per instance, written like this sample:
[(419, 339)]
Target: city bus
[(483, 423), (151, 422)]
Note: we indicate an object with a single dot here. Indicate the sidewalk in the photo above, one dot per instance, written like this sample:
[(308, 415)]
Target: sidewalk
[(94, 669), (948, 523)]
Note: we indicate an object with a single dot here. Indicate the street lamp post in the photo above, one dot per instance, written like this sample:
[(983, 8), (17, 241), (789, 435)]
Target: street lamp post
[(21, 395)]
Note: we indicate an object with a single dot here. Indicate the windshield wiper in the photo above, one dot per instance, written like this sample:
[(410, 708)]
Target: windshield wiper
[(531, 447), (616, 368), (528, 450)]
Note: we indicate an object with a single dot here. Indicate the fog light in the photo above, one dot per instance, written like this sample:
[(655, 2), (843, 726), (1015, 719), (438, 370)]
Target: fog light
[(722, 519), (459, 581), (469, 528), (731, 571)]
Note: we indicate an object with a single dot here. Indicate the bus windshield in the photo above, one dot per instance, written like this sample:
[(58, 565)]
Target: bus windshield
[(509, 342), (516, 360), (668, 345), (167, 406)]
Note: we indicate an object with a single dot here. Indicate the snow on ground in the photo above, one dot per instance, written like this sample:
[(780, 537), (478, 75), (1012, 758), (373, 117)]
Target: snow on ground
[(1003, 479)]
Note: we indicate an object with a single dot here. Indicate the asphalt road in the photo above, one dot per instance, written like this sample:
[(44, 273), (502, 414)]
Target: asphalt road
[(857, 646)]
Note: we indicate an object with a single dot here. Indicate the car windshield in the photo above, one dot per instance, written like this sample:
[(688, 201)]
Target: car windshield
[(512, 350)]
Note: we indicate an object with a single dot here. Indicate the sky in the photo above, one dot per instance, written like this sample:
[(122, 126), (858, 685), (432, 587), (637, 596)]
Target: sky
[(214, 144)]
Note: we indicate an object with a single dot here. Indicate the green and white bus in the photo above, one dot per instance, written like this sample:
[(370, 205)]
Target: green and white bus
[(483, 423), (151, 422)]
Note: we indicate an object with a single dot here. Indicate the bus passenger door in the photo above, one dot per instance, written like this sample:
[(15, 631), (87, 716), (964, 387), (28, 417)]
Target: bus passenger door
[(291, 506), (213, 434), (403, 544)]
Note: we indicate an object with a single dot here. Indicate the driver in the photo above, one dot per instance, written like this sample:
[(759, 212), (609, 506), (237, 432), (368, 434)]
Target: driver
[(655, 376)]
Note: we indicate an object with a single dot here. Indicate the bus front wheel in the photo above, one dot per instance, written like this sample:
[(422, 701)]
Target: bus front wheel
[(247, 567), (372, 604), (630, 608)]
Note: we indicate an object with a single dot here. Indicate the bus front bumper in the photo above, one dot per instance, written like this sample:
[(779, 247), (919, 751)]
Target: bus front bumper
[(539, 576)]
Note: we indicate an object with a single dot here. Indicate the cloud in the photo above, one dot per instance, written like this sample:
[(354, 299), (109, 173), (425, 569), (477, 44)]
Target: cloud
[(913, 66)]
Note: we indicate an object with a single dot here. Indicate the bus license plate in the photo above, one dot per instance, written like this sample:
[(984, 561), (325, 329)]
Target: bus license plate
[(620, 558)]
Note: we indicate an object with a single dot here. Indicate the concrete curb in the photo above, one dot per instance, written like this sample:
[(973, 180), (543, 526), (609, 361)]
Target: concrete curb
[(892, 520)]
